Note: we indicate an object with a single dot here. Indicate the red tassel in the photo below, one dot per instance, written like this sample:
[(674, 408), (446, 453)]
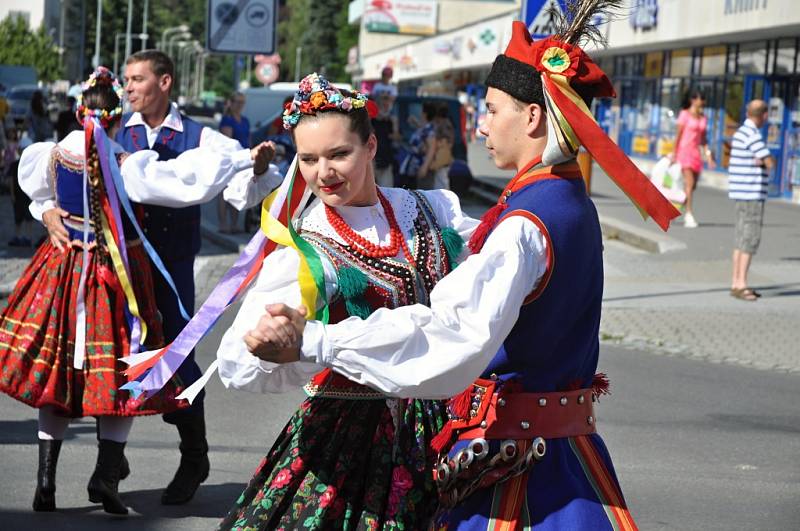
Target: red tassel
[(459, 405), (442, 439), (600, 384), (488, 221)]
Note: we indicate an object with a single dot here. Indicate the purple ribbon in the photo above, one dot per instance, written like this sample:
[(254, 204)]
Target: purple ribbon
[(221, 297)]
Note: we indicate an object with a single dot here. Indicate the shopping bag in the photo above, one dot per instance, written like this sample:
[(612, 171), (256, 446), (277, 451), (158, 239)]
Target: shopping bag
[(667, 177)]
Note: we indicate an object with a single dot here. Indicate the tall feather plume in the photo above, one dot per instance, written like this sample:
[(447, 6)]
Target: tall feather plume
[(576, 24)]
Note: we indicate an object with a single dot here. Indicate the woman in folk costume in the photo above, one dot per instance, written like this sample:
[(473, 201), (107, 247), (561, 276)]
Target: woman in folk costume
[(522, 313), (350, 457), (78, 308)]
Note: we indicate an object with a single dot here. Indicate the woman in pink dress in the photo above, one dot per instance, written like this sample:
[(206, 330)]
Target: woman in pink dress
[(692, 129)]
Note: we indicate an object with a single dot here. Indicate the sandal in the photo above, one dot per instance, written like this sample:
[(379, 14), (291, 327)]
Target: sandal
[(745, 294)]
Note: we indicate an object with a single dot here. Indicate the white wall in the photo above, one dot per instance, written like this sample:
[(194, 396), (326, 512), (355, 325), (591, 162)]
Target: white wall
[(700, 22)]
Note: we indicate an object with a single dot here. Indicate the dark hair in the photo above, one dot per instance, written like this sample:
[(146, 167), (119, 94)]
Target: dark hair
[(691, 94), (430, 109), (160, 63), (101, 96), (360, 122), (37, 103)]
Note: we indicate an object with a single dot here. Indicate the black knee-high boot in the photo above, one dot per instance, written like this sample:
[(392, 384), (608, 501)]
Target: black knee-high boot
[(124, 467), (105, 480), (45, 497), (194, 466)]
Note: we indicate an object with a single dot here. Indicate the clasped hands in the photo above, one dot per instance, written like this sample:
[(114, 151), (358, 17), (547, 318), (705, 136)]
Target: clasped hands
[(278, 334)]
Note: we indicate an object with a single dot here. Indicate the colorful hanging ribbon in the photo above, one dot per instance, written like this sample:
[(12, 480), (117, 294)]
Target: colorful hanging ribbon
[(284, 203)]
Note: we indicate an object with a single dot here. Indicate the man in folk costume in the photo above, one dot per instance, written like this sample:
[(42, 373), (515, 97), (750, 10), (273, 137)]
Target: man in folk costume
[(521, 449), (157, 124)]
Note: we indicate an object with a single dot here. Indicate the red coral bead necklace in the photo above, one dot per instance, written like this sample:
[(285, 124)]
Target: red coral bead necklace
[(396, 239)]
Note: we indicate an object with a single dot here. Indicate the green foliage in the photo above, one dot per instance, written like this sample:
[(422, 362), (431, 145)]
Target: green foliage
[(321, 29), (22, 47)]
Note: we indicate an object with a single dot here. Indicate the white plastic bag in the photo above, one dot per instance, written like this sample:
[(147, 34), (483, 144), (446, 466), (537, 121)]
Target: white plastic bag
[(667, 177)]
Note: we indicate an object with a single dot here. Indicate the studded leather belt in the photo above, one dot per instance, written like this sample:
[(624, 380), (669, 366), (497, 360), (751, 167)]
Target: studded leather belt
[(528, 415)]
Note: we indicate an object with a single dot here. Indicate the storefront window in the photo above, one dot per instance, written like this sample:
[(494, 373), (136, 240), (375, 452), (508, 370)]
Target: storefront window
[(653, 64), (681, 63), (785, 57), (752, 58), (668, 113), (713, 61)]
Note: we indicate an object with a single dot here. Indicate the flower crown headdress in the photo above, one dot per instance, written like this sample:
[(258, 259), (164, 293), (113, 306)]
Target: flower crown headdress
[(315, 94), (102, 76)]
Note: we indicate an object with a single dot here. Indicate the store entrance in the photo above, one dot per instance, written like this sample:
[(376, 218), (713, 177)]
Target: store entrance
[(782, 130)]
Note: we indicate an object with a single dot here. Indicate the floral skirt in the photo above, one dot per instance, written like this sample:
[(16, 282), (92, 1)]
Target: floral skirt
[(346, 464), (37, 336)]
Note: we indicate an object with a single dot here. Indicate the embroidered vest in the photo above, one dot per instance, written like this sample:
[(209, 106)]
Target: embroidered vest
[(390, 283), (174, 232)]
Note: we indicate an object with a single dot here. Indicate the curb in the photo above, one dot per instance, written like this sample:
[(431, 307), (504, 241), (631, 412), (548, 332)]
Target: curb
[(483, 189), (647, 240)]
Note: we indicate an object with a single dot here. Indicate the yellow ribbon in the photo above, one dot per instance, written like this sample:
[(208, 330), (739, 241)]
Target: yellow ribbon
[(279, 233), (122, 274)]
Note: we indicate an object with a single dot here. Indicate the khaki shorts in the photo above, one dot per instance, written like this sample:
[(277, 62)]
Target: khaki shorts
[(749, 219)]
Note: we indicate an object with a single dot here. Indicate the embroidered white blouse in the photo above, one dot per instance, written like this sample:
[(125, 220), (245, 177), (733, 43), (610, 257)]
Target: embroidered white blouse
[(194, 177), (277, 282)]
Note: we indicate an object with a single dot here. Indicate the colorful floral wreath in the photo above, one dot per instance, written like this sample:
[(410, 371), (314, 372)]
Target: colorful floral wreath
[(316, 94), (103, 76)]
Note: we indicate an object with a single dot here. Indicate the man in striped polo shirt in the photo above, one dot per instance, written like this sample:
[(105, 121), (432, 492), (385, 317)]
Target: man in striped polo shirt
[(748, 179)]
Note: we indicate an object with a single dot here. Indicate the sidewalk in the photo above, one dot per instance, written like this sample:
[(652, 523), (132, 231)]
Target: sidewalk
[(670, 292)]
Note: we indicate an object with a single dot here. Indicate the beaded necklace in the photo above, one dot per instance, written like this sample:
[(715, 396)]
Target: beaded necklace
[(366, 247)]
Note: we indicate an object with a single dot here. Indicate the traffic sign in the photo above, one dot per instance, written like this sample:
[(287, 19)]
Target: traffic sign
[(538, 16), (242, 26)]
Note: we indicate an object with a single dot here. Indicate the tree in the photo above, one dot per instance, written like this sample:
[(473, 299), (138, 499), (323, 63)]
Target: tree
[(19, 46), (321, 29)]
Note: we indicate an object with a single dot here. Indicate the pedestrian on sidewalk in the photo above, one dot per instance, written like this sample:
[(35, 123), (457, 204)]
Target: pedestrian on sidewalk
[(174, 230), (521, 449), (22, 216), (234, 125), (690, 140), (748, 182), (87, 298), (387, 133)]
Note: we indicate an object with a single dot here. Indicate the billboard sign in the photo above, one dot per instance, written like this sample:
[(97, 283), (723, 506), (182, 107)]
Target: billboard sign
[(416, 17)]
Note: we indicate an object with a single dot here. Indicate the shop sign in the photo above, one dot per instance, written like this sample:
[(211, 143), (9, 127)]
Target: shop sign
[(641, 144), (733, 7), (644, 15), (417, 17)]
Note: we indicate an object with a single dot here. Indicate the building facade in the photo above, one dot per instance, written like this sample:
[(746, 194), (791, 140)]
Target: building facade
[(732, 50)]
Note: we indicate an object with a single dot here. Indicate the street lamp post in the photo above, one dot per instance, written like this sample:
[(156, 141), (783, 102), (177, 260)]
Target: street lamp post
[(98, 27), (128, 29), (141, 36), (184, 35), (183, 28), (144, 25)]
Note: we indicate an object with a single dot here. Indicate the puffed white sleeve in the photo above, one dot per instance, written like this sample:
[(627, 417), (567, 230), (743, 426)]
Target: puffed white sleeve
[(238, 368), (436, 351), (193, 177), (36, 179), (246, 189)]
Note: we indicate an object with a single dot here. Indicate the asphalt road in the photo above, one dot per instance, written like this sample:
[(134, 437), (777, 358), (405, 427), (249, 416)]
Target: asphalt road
[(696, 445)]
